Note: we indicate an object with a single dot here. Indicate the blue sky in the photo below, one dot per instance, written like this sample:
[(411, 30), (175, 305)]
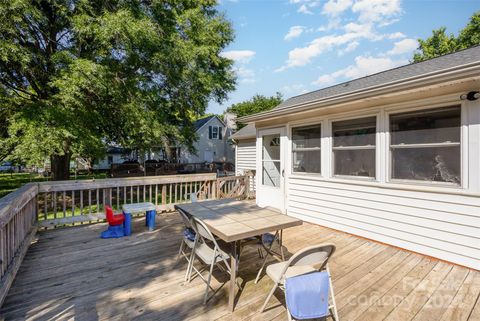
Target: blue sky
[(297, 46)]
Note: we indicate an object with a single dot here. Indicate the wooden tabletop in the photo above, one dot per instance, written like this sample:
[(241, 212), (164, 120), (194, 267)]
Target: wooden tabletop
[(234, 220), (138, 207)]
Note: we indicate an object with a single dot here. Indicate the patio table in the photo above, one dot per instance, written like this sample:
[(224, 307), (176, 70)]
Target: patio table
[(148, 208), (232, 221)]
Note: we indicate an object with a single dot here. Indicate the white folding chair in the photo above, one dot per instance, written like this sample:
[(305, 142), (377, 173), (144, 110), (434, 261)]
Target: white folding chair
[(207, 250), (311, 259)]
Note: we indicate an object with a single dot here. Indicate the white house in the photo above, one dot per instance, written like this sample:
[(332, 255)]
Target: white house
[(213, 142), (393, 157)]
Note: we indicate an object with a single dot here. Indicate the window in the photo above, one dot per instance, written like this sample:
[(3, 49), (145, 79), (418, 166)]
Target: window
[(354, 147), (425, 145), (110, 160), (215, 132), (306, 149), (271, 160)]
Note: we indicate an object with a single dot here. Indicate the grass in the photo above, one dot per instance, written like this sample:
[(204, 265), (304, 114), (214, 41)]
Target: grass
[(11, 181)]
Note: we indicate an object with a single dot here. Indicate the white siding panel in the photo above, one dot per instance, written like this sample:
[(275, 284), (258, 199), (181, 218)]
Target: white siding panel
[(446, 226), (246, 155)]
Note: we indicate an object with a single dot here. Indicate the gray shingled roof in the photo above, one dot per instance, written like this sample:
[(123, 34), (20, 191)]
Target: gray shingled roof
[(248, 131), (452, 60)]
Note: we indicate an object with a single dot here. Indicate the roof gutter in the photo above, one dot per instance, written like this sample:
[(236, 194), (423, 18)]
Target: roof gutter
[(472, 69)]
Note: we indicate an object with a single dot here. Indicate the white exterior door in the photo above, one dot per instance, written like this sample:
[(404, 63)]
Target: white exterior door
[(270, 168), (208, 156)]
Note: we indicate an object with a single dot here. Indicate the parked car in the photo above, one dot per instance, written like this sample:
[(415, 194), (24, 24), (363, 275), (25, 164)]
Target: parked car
[(8, 167)]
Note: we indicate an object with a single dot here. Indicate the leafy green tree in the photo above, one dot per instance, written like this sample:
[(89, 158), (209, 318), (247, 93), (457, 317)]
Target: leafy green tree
[(441, 43), (256, 104), (77, 75)]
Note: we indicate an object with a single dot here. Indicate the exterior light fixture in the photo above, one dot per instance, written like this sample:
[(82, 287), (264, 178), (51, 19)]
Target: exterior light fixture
[(473, 95)]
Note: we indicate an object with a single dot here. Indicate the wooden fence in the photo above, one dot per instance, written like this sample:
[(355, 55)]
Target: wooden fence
[(69, 203)]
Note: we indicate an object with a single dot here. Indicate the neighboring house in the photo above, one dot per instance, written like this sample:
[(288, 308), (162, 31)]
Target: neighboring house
[(392, 157), (213, 143), (114, 155)]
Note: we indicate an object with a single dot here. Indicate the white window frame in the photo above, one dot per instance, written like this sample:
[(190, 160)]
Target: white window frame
[(388, 149), (377, 116), (292, 150)]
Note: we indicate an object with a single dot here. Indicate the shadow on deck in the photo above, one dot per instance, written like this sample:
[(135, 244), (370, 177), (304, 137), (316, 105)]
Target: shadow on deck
[(73, 274)]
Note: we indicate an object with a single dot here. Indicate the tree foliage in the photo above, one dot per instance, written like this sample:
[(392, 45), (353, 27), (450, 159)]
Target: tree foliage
[(441, 43), (77, 75), (256, 104)]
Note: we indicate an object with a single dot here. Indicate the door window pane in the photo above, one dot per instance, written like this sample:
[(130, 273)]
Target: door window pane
[(425, 145), (306, 149), (271, 160), (271, 174), (354, 147), (271, 147)]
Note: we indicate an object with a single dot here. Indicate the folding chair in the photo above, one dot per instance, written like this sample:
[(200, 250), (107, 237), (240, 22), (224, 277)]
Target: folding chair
[(188, 241), (311, 259), (207, 250)]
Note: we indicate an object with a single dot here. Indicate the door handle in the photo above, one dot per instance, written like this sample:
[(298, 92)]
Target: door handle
[(283, 173)]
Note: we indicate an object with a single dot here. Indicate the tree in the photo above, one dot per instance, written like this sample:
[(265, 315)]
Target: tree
[(256, 104), (77, 75), (441, 43)]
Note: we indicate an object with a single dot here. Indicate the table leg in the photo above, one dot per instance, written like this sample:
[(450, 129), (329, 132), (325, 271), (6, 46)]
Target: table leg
[(233, 276), (127, 224)]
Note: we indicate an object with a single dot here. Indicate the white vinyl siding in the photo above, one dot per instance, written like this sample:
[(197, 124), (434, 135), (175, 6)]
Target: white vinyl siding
[(245, 156), (440, 225)]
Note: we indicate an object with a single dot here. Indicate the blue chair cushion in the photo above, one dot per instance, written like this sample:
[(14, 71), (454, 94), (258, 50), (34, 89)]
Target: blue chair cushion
[(268, 238), (189, 234), (307, 295)]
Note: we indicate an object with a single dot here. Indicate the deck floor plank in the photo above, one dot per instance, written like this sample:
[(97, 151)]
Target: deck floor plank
[(72, 274)]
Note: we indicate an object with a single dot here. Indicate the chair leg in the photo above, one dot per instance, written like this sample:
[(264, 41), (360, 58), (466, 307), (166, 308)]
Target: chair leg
[(190, 265), (269, 297), (261, 268), (179, 256), (334, 304), (208, 283)]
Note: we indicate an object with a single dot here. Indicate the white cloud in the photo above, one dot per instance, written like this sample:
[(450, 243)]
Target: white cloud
[(349, 48), (403, 46), (305, 6), (396, 35), (336, 7), (245, 75), (353, 33), (294, 32), (304, 9), (325, 80), (376, 10), (294, 89), (242, 56), (364, 65)]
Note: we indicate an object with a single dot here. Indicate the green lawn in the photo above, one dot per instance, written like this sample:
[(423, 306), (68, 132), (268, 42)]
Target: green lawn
[(10, 182)]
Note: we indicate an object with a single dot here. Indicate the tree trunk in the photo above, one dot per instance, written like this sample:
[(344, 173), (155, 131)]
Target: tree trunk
[(60, 167)]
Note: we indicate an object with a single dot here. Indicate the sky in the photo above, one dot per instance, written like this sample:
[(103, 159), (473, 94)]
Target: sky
[(298, 46)]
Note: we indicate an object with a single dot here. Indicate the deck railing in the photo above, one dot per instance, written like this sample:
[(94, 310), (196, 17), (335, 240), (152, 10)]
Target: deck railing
[(18, 214), (70, 203)]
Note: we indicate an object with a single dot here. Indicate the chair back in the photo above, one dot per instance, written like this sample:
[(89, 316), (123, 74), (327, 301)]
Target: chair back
[(316, 256), (185, 218), (202, 229), (109, 213), (193, 197)]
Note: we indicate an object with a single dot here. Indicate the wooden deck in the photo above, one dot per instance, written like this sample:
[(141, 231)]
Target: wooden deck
[(72, 274)]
